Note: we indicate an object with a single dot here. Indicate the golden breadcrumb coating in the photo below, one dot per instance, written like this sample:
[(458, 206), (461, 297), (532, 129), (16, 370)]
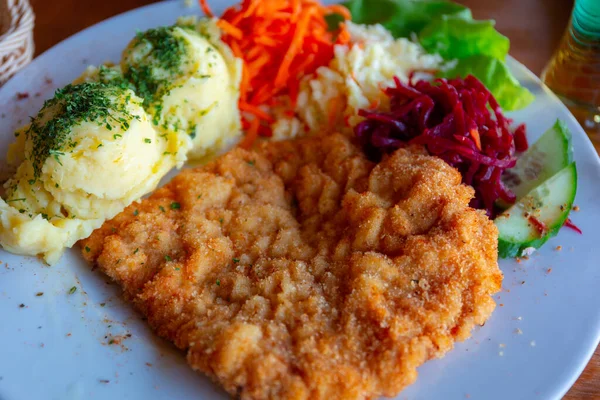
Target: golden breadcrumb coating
[(305, 271)]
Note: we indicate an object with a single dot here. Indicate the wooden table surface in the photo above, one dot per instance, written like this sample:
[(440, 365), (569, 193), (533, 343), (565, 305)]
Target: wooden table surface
[(533, 26)]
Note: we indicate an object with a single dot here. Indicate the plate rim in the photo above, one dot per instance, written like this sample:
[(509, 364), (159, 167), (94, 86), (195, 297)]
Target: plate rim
[(560, 389)]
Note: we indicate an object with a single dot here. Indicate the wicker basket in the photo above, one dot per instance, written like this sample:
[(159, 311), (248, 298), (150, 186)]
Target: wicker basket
[(16, 41)]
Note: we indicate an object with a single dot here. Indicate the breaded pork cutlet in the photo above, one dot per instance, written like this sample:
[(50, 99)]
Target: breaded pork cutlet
[(305, 271)]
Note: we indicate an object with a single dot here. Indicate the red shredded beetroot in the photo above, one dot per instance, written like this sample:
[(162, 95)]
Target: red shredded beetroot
[(521, 138), (457, 120), (569, 224), (538, 225)]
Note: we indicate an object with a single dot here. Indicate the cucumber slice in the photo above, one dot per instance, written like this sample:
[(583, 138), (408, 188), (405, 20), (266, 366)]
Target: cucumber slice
[(549, 203), (550, 154)]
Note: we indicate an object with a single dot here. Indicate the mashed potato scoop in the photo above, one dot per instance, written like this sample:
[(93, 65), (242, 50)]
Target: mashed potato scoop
[(107, 139), (89, 153), (189, 81)]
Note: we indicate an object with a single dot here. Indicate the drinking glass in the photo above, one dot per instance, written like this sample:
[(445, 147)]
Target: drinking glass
[(573, 73)]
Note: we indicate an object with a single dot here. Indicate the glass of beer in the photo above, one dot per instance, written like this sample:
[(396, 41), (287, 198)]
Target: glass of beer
[(573, 73)]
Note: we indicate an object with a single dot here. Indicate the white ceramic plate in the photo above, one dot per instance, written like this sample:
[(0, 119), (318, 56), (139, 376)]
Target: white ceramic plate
[(55, 346)]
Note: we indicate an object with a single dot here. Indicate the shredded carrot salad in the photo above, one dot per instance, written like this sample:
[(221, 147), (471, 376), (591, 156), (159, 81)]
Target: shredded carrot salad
[(280, 41)]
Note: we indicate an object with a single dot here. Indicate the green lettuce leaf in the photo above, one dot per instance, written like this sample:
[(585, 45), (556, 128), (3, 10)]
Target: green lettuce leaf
[(403, 17), (333, 21), (448, 28), (452, 36), (496, 76)]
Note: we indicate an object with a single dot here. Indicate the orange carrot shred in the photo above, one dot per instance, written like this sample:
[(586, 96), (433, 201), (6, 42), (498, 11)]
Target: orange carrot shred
[(251, 134), (256, 111), (374, 104), (280, 41), (260, 61), (293, 50), (230, 29), (347, 120), (476, 138), (262, 95), (206, 8), (343, 37), (303, 65), (295, 10), (333, 108), (339, 9), (251, 8), (265, 41), (235, 48)]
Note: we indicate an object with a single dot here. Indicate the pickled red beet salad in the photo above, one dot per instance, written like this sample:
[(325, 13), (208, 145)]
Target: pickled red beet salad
[(458, 120)]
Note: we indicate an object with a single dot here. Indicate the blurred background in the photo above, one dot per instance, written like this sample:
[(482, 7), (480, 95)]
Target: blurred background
[(534, 27)]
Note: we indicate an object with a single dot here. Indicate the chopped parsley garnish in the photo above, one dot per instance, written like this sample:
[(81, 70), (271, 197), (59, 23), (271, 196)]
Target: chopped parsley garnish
[(218, 282), (157, 110), (114, 77), (202, 113), (168, 258), (192, 131), (116, 135), (136, 250), (175, 206), (251, 162), (146, 140), (136, 213), (153, 75), (13, 200), (55, 154), (87, 249), (73, 290), (236, 260), (161, 208), (50, 130)]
